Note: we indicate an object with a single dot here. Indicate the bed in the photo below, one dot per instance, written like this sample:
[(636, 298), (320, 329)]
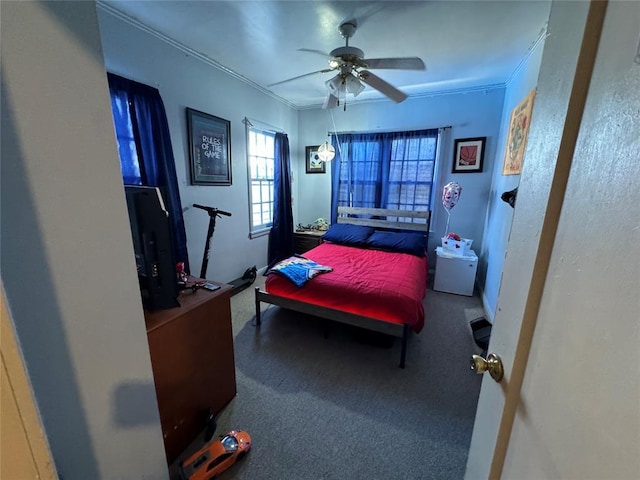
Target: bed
[(375, 284)]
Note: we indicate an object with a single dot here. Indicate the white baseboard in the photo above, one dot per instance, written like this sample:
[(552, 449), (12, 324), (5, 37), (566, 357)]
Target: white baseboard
[(488, 313)]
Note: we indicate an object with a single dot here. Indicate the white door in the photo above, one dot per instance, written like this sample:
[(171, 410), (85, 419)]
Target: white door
[(568, 320), (24, 450)]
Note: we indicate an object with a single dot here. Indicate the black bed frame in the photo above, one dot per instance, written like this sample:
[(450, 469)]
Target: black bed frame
[(404, 220)]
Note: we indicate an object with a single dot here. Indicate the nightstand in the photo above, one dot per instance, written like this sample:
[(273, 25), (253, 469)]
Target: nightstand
[(307, 240), (455, 274)]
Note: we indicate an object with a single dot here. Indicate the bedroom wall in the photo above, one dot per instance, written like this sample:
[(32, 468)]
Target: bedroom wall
[(66, 256), (187, 81), (497, 222), (470, 114)]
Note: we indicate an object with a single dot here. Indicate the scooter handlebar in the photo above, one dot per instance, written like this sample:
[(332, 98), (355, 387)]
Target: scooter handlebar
[(212, 210)]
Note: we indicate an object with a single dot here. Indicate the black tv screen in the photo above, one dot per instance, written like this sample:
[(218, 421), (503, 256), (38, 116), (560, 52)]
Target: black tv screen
[(152, 244)]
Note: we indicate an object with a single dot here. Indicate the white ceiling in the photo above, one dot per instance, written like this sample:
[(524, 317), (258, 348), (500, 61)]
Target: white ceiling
[(464, 44)]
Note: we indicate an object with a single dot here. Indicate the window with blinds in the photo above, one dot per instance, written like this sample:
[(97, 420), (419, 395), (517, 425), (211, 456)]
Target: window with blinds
[(261, 153), (387, 170)]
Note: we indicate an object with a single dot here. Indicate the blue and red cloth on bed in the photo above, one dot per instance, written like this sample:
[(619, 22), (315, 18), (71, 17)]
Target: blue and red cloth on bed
[(299, 270)]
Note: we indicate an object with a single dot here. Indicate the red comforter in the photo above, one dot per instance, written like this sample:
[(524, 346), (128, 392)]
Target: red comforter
[(376, 284)]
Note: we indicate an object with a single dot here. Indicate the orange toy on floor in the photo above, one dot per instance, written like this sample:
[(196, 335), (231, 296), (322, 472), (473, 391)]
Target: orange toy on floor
[(215, 457)]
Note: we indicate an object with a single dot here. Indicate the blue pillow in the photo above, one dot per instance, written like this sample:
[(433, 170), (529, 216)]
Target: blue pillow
[(412, 243), (347, 234)]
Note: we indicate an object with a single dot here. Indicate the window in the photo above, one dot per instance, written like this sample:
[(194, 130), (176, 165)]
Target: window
[(145, 150), (124, 118), (411, 173), (261, 153), (386, 170)]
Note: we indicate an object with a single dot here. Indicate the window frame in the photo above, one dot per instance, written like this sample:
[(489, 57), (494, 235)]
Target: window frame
[(263, 228), (360, 164), (400, 183)]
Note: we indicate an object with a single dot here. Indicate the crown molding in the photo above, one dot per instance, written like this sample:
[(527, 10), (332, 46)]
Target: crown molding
[(106, 7), (538, 42), (438, 93)]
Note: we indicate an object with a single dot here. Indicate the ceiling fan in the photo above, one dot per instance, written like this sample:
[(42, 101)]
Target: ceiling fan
[(353, 70)]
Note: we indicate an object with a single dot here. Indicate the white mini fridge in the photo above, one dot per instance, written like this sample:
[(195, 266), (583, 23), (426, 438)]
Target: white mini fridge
[(455, 274)]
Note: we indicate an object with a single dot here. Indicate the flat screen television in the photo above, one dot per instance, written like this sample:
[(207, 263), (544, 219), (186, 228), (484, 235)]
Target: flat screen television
[(152, 244)]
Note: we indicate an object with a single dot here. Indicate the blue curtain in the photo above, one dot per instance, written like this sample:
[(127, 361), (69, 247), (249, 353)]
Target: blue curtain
[(281, 239), (146, 154), (383, 170)]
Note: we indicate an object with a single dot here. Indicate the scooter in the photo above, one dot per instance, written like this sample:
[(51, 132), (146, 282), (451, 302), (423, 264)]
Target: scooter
[(250, 273)]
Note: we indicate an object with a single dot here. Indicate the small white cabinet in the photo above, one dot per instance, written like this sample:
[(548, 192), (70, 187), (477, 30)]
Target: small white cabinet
[(455, 274)]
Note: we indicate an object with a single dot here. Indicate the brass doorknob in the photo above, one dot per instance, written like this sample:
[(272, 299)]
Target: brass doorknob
[(493, 364)]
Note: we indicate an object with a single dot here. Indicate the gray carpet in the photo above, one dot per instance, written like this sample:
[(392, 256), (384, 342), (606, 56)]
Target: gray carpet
[(339, 407)]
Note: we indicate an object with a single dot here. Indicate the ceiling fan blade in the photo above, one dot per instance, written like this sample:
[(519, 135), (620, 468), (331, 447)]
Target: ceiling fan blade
[(330, 102), (382, 86), (319, 52), (400, 63), (325, 70)]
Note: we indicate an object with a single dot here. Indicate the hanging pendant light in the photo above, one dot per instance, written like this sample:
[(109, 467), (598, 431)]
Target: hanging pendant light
[(326, 152)]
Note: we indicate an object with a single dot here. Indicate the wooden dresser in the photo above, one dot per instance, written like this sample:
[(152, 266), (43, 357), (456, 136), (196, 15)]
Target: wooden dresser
[(192, 358), (308, 239)]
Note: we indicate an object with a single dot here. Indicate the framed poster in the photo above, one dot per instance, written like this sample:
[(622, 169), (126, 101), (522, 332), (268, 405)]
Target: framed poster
[(468, 155), (517, 139), (313, 163), (209, 155)]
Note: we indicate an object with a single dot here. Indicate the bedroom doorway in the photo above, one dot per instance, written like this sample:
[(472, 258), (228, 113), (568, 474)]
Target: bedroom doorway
[(528, 425)]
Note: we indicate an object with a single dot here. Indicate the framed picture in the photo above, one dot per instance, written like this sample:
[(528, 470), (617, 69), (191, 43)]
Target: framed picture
[(209, 155), (517, 139), (468, 155), (313, 162)]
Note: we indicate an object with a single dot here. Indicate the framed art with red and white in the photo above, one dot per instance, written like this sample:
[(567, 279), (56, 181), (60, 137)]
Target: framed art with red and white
[(468, 155)]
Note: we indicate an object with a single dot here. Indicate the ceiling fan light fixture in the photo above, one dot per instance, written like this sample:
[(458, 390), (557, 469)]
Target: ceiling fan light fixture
[(335, 85), (330, 102), (326, 152), (351, 77), (354, 85)]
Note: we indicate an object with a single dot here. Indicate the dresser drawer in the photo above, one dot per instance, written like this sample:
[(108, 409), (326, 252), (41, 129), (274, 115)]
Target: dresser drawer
[(305, 241)]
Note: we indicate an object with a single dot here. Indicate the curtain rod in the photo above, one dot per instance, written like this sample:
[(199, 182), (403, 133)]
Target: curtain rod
[(263, 125), (386, 131)]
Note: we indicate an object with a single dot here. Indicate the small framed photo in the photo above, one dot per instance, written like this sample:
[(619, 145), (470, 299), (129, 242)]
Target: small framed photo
[(468, 155), (313, 162), (209, 155)]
